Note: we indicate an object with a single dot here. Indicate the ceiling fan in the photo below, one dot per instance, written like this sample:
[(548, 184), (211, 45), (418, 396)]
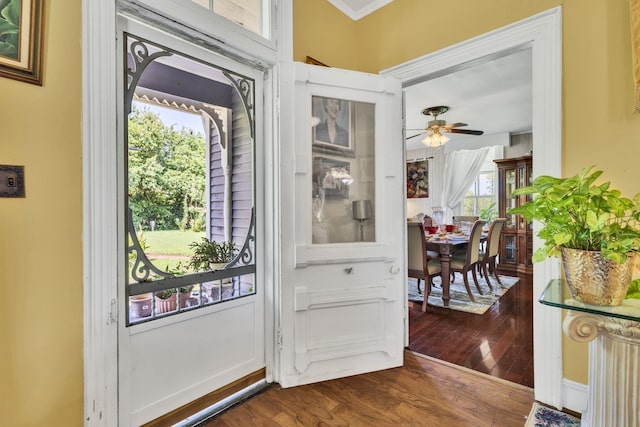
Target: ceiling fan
[(437, 128)]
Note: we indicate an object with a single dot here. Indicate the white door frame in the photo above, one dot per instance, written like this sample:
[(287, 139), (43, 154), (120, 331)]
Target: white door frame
[(543, 34)]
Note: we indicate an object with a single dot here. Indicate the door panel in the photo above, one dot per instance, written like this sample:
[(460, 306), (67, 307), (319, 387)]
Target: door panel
[(343, 290), (216, 335)]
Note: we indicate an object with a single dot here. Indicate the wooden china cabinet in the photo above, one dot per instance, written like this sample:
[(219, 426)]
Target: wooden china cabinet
[(516, 244)]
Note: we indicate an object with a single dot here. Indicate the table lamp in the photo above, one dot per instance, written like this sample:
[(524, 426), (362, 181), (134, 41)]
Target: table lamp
[(361, 212)]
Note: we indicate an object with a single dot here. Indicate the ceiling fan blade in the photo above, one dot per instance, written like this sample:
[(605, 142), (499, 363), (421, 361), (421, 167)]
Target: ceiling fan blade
[(417, 134), (455, 125), (467, 131)]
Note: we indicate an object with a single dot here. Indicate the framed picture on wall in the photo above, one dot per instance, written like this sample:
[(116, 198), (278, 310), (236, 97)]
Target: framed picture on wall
[(21, 24), (332, 128), (331, 178), (418, 179)]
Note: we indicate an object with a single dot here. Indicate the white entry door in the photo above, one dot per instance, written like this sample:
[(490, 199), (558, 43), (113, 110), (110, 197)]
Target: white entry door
[(185, 331), (343, 299)]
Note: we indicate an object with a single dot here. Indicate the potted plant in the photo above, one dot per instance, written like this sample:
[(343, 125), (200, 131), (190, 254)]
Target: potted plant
[(211, 255), (166, 301), (592, 227), (184, 292)]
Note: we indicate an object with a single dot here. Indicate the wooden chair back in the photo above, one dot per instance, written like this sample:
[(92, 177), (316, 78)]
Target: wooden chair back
[(462, 218)]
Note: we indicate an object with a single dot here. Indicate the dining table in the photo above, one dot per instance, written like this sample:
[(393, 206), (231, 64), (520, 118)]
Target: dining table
[(445, 245)]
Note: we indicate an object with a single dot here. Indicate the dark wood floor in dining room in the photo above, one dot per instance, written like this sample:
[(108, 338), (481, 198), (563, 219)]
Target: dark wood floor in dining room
[(498, 342)]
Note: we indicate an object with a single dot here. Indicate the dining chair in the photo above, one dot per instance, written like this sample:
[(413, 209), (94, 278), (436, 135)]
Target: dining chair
[(459, 220), (463, 218), (420, 266), (463, 262), (487, 257)]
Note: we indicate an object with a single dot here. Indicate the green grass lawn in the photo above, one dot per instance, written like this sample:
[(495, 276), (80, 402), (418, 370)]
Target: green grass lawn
[(169, 242)]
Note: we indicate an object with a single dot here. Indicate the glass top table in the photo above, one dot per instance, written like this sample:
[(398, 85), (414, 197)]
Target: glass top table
[(553, 296)]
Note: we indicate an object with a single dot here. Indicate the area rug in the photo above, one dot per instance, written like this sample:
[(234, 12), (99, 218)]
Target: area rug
[(458, 293), (541, 416)]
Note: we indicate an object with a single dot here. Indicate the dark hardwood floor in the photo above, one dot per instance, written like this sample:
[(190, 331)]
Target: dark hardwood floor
[(498, 343), (423, 392)]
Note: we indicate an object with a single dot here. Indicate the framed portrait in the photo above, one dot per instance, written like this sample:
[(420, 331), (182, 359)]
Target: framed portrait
[(331, 178), (21, 23), (418, 179), (332, 126)]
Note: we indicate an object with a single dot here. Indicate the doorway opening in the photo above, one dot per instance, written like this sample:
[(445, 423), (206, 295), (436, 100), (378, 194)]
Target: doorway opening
[(494, 333), (542, 33)]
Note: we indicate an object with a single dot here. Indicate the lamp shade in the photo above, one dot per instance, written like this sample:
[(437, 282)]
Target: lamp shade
[(361, 209)]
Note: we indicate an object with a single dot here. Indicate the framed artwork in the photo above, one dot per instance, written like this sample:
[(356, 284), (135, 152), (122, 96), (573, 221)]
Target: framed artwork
[(21, 23), (313, 61), (331, 178), (418, 179), (332, 126)]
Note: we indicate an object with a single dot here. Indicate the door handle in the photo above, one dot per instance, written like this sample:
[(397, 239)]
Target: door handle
[(394, 270)]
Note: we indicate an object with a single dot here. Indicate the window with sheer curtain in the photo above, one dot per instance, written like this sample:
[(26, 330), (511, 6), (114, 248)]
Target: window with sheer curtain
[(481, 194)]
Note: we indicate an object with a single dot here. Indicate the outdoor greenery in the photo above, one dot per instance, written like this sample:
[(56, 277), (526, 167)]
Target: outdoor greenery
[(489, 213), (578, 214), (170, 242), (166, 174)]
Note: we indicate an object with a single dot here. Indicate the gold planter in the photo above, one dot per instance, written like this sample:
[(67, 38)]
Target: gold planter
[(594, 279)]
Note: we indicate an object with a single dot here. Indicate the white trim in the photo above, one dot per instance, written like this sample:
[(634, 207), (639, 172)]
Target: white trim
[(99, 204), (191, 22), (355, 14), (575, 395), (543, 34)]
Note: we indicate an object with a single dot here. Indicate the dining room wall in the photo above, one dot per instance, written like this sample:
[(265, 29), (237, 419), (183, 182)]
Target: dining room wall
[(520, 145), (425, 205)]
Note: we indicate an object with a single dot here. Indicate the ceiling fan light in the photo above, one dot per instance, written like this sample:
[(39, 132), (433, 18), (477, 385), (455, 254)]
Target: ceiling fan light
[(435, 140)]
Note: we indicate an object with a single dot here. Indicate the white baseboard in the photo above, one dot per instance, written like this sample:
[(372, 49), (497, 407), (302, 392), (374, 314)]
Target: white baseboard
[(574, 395)]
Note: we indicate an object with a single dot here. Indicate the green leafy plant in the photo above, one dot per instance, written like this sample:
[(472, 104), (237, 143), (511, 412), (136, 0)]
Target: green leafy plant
[(489, 213), (165, 294), (207, 252), (179, 270), (634, 289), (578, 214), (9, 28)]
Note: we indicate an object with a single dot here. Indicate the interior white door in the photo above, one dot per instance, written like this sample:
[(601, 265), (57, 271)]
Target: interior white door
[(217, 337), (343, 299)]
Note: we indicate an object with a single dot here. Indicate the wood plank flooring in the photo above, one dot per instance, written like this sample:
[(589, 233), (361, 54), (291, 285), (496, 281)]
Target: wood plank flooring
[(499, 342), (424, 392)]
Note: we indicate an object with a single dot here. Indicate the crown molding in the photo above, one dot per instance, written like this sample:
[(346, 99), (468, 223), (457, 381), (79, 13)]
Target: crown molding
[(364, 7)]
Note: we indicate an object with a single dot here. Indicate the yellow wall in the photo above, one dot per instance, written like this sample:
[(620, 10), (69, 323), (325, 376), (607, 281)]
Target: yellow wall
[(41, 235), (598, 124), (324, 33)]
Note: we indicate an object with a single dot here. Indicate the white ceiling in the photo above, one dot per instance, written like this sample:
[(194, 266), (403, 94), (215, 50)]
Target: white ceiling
[(493, 96)]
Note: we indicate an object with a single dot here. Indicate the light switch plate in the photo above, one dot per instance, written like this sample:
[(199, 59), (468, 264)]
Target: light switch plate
[(11, 181)]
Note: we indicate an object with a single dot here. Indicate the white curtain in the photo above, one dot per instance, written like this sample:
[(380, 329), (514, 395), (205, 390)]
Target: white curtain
[(460, 170)]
